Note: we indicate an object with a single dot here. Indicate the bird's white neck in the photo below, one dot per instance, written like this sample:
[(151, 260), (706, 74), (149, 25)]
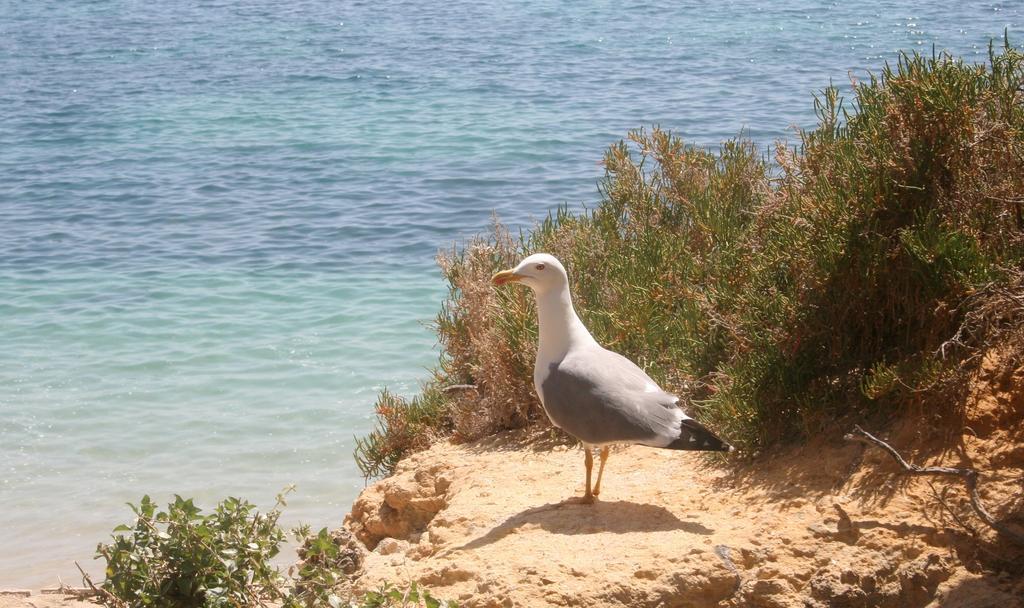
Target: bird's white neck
[(560, 327)]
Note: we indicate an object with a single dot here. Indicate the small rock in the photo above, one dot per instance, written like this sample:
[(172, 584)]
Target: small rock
[(821, 531), (771, 593), (801, 551), (447, 575), (772, 586), (849, 577), (753, 557), (388, 546)]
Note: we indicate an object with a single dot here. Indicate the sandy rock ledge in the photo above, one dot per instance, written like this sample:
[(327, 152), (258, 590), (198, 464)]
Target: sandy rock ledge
[(829, 524)]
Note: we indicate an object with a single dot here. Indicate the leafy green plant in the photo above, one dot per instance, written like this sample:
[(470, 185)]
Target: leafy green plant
[(390, 597), (181, 557), (326, 560)]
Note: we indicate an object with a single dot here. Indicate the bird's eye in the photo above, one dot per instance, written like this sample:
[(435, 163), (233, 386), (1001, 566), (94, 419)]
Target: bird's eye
[(540, 266)]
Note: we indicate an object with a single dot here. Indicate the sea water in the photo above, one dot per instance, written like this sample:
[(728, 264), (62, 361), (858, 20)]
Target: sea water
[(218, 219)]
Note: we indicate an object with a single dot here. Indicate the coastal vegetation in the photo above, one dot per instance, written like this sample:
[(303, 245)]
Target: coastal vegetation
[(180, 557), (855, 274)]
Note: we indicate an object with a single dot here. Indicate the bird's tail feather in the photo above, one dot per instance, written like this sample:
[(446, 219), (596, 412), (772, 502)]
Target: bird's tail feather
[(695, 436)]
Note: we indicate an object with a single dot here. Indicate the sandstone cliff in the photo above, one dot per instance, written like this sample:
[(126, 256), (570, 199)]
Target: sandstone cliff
[(826, 524)]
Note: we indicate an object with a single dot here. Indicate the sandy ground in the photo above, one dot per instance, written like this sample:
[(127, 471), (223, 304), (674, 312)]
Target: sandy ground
[(827, 524), (37, 599)]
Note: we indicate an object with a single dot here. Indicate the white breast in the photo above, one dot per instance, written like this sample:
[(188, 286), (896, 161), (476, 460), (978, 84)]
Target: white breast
[(541, 371)]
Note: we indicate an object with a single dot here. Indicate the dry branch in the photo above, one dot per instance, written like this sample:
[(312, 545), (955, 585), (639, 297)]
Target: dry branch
[(107, 598), (459, 387), (970, 477)]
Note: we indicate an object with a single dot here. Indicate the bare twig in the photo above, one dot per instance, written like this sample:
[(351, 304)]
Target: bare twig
[(108, 598), (458, 387), (987, 311), (970, 477), (941, 499), (1012, 201)]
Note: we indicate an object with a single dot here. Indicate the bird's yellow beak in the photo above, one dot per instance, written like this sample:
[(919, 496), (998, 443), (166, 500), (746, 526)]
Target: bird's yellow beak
[(506, 276)]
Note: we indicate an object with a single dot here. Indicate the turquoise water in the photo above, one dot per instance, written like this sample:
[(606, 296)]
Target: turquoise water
[(218, 219)]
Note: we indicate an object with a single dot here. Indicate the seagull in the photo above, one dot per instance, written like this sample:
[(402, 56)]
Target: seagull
[(597, 396)]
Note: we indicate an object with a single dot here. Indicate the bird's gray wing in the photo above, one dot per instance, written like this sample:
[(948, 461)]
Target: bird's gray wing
[(601, 397)]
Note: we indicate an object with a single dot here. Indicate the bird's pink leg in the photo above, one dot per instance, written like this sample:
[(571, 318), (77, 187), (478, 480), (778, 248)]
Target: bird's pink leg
[(588, 497), (589, 462), (600, 470)]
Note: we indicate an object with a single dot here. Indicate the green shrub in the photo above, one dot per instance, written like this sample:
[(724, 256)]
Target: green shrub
[(327, 559), (390, 597), (775, 297), (180, 557), (403, 426)]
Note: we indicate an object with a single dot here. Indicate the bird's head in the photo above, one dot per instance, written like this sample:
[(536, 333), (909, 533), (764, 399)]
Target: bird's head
[(541, 272)]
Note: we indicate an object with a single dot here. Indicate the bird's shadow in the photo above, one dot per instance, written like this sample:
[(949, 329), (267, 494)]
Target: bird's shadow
[(569, 517)]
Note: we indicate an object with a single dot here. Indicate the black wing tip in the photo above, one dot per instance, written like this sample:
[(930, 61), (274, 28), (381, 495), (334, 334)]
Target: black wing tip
[(697, 437), (708, 444)]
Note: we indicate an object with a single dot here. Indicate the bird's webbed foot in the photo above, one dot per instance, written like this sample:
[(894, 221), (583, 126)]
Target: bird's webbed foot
[(586, 499)]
